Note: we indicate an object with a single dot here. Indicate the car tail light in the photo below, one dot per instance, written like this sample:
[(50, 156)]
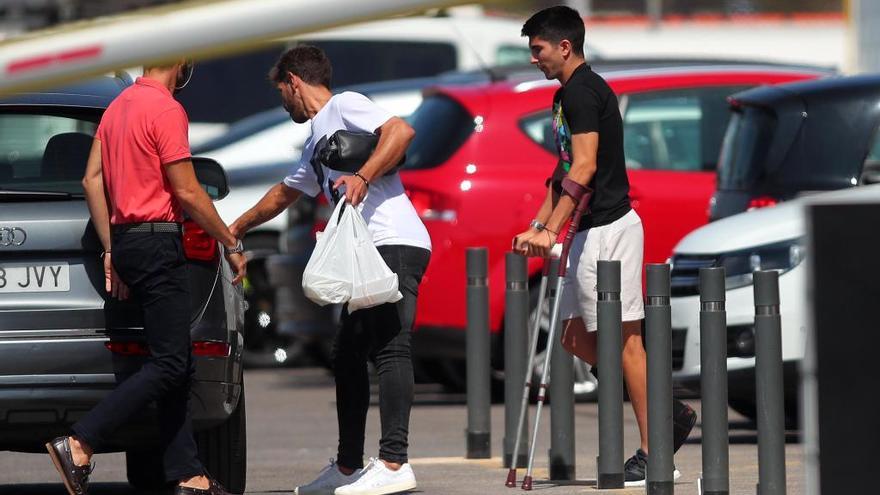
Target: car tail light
[(211, 349), (200, 348), (197, 244), (128, 348), (761, 202), (432, 206)]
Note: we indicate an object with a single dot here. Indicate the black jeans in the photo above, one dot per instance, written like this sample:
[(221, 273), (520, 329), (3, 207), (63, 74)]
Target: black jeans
[(381, 334), (154, 268)]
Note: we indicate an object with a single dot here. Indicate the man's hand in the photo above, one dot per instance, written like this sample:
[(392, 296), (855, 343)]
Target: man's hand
[(236, 230), (239, 264), (112, 283), (534, 243), (355, 188)]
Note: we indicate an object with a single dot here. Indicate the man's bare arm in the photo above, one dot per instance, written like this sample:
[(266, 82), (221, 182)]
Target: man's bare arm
[(196, 203), (96, 197), (394, 138), (272, 203)]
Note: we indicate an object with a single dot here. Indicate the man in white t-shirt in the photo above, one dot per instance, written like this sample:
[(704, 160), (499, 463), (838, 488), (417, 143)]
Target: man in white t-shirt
[(381, 333)]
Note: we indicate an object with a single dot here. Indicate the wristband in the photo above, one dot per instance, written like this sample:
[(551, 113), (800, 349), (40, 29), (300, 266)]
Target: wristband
[(239, 247), (361, 177)]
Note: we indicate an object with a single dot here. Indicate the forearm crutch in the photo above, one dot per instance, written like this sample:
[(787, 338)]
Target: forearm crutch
[(524, 405), (581, 196)]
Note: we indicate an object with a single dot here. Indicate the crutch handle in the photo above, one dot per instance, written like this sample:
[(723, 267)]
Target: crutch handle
[(583, 205)]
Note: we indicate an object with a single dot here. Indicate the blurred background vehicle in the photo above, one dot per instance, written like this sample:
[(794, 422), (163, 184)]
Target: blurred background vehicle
[(782, 142), (64, 343), (476, 169), (789, 140), (385, 50), (764, 239)]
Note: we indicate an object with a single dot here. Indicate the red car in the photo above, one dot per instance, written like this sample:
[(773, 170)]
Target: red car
[(482, 152)]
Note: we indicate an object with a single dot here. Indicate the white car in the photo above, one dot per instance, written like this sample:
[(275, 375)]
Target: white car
[(768, 238)]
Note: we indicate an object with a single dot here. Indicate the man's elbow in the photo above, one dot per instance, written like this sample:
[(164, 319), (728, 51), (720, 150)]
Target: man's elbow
[(402, 130)]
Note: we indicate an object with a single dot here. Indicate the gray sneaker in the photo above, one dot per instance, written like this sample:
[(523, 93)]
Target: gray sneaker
[(328, 480)]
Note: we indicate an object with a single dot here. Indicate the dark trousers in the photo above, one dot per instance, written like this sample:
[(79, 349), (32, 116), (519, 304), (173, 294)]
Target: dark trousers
[(381, 334), (154, 268)]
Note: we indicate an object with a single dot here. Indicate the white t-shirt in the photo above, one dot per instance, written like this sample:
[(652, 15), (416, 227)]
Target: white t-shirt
[(387, 210)]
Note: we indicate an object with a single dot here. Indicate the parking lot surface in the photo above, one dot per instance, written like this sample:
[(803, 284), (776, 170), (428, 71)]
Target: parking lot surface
[(292, 433)]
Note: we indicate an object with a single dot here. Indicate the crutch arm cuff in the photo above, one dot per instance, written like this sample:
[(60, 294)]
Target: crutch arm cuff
[(579, 193)]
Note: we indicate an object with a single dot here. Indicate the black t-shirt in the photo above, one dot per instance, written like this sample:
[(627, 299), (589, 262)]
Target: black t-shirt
[(587, 104)]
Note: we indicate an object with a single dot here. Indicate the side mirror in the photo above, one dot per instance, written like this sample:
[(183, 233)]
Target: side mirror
[(212, 177)]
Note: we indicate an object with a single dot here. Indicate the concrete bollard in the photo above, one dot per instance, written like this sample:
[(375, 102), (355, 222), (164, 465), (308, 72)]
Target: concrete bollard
[(769, 385), (516, 342), (658, 340), (562, 456), (478, 368), (610, 460), (713, 382)]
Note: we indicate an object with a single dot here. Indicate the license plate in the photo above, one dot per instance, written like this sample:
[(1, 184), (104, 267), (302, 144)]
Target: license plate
[(34, 277)]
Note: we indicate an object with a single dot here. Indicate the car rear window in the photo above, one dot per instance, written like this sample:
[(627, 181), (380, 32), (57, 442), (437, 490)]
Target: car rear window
[(44, 152), (442, 126), (674, 130), (744, 149)]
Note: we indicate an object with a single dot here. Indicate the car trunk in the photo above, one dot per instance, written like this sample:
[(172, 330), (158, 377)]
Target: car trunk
[(52, 298)]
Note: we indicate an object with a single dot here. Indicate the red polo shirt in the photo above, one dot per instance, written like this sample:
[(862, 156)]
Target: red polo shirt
[(142, 130)]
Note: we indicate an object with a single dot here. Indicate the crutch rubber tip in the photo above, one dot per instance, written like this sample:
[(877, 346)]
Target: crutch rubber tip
[(511, 479), (527, 483)]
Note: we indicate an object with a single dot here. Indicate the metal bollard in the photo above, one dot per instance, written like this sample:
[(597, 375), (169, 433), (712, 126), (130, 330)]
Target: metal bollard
[(610, 460), (658, 337), (713, 382), (769, 385), (562, 456), (478, 368), (516, 349)]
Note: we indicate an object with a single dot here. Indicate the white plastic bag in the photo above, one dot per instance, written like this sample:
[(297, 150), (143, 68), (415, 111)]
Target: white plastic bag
[(346, 267)]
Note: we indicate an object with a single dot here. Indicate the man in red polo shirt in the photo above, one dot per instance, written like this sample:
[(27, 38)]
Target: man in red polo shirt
[(138, 182)]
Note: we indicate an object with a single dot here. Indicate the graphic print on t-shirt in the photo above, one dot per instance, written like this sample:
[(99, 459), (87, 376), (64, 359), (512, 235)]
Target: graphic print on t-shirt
[(562, 135)]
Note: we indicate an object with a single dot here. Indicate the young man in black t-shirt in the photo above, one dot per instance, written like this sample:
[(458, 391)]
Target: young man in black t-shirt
[(589, 138)]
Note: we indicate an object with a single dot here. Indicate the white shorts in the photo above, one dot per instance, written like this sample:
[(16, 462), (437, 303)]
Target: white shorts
[(622, 240)]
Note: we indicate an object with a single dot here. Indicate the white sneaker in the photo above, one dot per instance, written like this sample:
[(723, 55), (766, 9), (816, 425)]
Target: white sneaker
[(376, 479), (328, 480)]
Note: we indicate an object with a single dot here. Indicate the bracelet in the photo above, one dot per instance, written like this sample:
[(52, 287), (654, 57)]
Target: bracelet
[(239, 247), (105, 253), (358, 174), (552, 232)]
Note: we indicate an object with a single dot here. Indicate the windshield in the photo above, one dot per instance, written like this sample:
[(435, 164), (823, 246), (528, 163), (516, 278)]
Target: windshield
[(744, 149), (45, 152), (442, 126)]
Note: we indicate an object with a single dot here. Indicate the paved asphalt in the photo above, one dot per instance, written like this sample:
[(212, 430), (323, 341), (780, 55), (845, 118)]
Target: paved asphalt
[(292, 433)]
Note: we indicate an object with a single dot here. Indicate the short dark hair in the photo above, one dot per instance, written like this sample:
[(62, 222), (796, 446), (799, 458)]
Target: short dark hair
[(307, 62), (555, 24)]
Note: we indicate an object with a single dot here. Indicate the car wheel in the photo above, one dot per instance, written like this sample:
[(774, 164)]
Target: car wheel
[(746, 407), (585, 384), (145, 471), (223, 449)]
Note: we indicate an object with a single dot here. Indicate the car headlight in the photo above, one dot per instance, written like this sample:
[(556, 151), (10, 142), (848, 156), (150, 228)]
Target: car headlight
[(780, 256)]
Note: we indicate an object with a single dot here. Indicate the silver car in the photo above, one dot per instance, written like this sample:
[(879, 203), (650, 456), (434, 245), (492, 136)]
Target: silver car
[(63, 343)]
